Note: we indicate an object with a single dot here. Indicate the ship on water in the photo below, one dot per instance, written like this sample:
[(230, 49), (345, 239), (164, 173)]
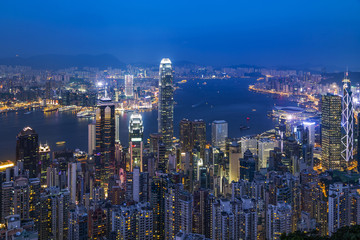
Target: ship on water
[(86, 113)]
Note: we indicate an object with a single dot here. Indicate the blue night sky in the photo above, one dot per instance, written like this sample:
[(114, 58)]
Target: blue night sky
[(264, 32)]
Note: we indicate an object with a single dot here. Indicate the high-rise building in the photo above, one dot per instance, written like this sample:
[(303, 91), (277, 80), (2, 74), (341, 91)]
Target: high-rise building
[(219, 133), (129, 85), (347, 122), (105, 140), (331, 132), (71, 180), (44, 161), (91, 138), (78, 224), (278, 220), (178, 211), (339, 207), (133, 222), (27, 147), (157, 201), (136, 130), (166, 103), (234, 162), (117, 128), (193, 134), (54, 222), (21, 198)]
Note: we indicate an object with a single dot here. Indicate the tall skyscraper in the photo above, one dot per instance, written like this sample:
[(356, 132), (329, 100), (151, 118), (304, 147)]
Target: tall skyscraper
[(27, 147), (331, 132), (347, 122), (91, 138), (136, 130), (166, 102), (219, 133), (105, 140), (129, 85)]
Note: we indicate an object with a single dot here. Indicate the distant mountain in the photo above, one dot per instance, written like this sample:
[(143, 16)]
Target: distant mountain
[(57, 61)]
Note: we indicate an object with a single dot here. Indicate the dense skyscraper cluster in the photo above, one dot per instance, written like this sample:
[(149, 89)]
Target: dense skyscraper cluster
[(300, 176)]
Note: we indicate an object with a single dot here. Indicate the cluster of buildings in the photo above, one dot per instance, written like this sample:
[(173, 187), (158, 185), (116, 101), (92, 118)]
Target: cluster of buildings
[(298, 176)]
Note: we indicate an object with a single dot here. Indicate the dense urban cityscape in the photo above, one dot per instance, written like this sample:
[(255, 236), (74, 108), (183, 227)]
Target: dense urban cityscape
[(300, 176), (179, 120)]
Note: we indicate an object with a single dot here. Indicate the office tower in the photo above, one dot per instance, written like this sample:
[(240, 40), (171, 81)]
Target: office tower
[(249, 143), (129, 85), (78, 224), (21, 198), (27, 148), (91, 138), (347, 122), (157, 201), (161, 161), (178, 211), (71, 180), (234, 162), (247, 166), (105, 141), (117, 128), (44, 161), (339, 207), (133, 222), (54, 212), (310, 126), (155, 139), (219, 133), (193, 134), (186, 136), (278, 220), (136, 130), (331, 132), (265, 145), (166, 103)]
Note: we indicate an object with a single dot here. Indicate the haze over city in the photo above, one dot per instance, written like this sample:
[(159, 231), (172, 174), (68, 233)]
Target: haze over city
[(260, 32)]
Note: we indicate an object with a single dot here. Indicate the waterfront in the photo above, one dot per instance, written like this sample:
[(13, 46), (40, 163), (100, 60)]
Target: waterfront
[(227, 99)]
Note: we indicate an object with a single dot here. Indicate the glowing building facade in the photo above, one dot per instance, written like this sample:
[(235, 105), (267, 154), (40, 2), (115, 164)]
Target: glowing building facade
[(129, 85), (136, 130), (166, 102), (347, 122)]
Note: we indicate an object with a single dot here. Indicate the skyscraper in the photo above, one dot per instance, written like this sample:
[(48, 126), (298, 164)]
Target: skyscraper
[(44, 161), (27, 148), (219, 133), (193, 133), (129, 85), (347, 122), (91, 138), (331, 132), (136, 130), (105, 140), (166, 102)]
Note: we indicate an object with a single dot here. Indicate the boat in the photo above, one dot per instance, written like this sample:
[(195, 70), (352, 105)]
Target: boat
[(85, 114), (51, 109), (243, 127), (254, 110), (60, 143), (27, 113), (67, 108), (204, 83)]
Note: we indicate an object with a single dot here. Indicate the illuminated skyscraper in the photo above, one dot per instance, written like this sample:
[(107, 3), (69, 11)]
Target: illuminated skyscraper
[(166, 103), (331, 132), (219, 133), (347, 122), (136, 130), (91, 138), (105, 140), (44, 161), (129, 85), (27, 148)]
